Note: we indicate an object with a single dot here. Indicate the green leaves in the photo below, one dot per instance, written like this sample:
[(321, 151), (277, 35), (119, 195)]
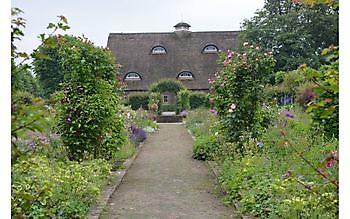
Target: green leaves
[(240, 82), (296, 33), (44, 189)]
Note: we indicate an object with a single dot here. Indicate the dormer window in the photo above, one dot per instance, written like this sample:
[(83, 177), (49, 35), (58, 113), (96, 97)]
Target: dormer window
[(210, 49), (132, 76), (158, 50), (185, 75)]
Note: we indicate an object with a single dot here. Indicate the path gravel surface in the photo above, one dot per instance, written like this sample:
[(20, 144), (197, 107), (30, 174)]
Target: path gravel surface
[(165, 182)]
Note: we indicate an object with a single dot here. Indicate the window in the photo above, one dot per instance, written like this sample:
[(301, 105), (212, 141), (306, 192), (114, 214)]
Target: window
[(165, 99), (158, 50), (210, 49), (132, 76), (185, 75)]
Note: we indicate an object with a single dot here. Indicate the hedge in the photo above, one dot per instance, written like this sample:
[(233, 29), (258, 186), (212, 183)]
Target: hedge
[(198, 99), (136, 100)]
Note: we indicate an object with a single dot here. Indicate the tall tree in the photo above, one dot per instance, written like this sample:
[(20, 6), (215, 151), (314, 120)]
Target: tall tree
[(295, 32)]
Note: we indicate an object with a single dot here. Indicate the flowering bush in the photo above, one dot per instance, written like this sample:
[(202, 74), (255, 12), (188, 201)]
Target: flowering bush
[(237, 91), (88, 106)]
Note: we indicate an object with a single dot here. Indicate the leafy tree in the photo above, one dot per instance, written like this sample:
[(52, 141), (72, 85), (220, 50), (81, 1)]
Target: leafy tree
[(23, 80), (295, 32), (56, 69)]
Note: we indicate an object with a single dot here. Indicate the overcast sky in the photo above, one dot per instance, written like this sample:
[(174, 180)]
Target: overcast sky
[(96, 19)]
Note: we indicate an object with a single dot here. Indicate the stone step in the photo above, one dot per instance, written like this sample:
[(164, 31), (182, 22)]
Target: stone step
[(169, 118)]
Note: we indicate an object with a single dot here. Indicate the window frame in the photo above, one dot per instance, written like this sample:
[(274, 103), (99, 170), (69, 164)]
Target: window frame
[(164, 51), (165, 99), (138, 78), (182, 77), (210, 51)]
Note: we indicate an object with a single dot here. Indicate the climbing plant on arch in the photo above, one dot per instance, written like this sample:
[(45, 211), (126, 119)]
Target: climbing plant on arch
[(165, 85)]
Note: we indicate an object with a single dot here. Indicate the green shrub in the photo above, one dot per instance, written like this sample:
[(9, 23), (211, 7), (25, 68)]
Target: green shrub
[(44, 189), (198, 99), (283, 176), (182, 100), (205, 147), (138, 100), (168, 108)]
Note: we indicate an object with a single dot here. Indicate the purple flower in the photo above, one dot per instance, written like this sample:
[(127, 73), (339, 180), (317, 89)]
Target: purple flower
[(68, 120), (289, 114), (184, 113), (137, 134)]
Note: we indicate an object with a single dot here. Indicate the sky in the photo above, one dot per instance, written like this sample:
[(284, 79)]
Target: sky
[(96, 19)]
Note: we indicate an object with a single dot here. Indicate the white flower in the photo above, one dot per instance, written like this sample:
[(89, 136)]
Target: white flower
[(233, 106), (245, 44)]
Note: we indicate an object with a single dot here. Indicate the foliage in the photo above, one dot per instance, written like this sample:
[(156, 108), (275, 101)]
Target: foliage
[(126, 151), (182, 100), (56, 68), (44, 189), (165, 85), (49, 71), (88, 122), (205, 147), (28, 113), (294, 174), (198, 99), (295, 32), (237, 91), (325, 109), (88, 106), (154, 102), (198, 121), (168, 108), (23, 80), (138, 100)]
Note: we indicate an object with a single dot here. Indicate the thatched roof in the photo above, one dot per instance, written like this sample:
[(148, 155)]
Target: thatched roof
[(183, 53)]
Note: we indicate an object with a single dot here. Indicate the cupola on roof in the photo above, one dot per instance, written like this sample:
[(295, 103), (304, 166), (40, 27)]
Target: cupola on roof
[(182, 26)]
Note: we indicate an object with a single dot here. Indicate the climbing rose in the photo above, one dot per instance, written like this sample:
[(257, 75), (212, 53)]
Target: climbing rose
[(226, 62)]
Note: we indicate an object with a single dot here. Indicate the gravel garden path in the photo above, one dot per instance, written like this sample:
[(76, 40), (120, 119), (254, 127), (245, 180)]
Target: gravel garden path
[(165, 182)]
